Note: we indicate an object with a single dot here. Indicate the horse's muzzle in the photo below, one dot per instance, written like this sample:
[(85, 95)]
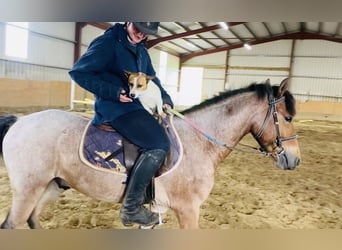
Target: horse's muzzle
[(287, 160)]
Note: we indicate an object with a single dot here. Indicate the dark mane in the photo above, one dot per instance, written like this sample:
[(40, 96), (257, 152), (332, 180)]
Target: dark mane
[(261, 90)]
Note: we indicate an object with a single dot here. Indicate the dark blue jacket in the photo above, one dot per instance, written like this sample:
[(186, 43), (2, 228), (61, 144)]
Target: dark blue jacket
[(101, 71)]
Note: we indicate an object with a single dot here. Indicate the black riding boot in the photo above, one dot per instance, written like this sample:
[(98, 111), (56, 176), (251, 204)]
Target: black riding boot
[(132, 210)]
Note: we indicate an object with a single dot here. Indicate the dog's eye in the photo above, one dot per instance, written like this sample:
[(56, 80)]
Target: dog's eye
[(131, 85), (288, 118), (140, 86)]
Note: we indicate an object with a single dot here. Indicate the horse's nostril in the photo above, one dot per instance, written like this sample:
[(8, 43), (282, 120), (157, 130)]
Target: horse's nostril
[(297, 161)]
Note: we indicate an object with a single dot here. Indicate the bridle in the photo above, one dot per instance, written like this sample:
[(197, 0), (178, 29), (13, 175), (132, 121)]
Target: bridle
[(272, 109)]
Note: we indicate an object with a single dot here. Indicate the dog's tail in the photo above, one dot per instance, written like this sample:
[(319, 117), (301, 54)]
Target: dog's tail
[(6, 121)]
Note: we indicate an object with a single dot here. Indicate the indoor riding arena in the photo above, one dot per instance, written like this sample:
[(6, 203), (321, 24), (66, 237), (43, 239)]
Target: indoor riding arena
[(196, 61)]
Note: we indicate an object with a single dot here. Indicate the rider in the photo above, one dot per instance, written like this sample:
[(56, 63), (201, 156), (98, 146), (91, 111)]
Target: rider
[(101, 70)]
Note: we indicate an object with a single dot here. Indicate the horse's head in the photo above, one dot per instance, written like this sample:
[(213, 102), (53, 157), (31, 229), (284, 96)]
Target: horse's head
[(276, 134)]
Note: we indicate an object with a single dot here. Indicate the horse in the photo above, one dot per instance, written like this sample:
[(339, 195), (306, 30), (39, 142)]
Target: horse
[(40, 152)]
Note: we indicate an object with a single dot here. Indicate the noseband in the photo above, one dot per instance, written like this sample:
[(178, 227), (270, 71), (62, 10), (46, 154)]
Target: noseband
[(272, 108)]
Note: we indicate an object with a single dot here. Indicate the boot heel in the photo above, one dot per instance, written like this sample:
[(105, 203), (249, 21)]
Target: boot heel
[(127, 224)]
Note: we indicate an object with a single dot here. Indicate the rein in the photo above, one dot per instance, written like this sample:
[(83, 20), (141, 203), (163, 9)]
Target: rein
[(210, 137)]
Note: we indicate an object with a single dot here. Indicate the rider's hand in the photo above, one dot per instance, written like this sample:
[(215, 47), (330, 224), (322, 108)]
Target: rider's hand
[(166, 108), (123, 97)]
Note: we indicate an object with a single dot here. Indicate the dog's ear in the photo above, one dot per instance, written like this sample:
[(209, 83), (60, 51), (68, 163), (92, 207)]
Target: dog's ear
[(127, 73)]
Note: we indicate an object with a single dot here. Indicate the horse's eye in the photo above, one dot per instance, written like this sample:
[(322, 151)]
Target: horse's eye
[(288, 118)]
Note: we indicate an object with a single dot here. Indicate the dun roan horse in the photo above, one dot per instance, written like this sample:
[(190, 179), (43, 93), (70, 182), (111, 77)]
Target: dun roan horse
[(41, 149)]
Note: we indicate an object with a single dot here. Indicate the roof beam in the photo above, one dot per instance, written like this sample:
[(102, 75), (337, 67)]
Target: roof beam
[(237, 36), (216, 34), (100, 25), (78, 40), (284, 27), (297, 35), (267, 28), (337, 29), (320, 27), (188, 40), (302, 26), (250, 31), (171, 42), (154, 42)]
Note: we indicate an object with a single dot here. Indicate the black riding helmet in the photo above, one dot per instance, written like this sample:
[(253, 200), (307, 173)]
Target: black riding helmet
[(149, 28)]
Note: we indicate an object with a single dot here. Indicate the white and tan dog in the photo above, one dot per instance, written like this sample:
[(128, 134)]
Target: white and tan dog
[(146, 91)]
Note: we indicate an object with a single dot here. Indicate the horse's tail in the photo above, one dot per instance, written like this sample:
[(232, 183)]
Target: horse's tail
[(6, 121)]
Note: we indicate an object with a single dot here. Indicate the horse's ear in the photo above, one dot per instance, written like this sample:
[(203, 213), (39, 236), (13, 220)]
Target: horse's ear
[(284, 85), (268, 81)]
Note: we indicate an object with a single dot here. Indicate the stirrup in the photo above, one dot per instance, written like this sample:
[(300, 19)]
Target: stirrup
[(160, 219), (140, 217)]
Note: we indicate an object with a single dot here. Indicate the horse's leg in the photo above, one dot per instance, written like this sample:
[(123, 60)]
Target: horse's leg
[(23, 203), (51, 193), (187, 216)]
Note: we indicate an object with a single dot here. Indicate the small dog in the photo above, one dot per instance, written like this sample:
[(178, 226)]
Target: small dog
[(146, 91)]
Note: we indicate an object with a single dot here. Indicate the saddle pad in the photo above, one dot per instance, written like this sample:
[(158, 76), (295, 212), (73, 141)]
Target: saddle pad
[(97, 144)]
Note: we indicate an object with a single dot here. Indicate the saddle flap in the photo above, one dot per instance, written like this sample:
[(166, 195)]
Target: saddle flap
[(131, 153)]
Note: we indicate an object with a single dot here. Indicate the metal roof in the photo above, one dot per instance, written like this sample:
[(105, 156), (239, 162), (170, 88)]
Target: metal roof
[(190, 39)]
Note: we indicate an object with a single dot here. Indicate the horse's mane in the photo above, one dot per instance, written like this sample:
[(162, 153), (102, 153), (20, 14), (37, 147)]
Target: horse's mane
[(261, 90)]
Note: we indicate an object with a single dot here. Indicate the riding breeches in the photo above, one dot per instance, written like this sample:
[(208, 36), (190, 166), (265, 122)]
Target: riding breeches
[(143, 130)]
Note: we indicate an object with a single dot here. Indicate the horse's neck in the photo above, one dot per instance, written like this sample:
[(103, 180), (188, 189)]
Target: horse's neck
[(228, 121)]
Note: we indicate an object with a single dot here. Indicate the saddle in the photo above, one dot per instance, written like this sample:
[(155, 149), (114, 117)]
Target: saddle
[(105, 149)]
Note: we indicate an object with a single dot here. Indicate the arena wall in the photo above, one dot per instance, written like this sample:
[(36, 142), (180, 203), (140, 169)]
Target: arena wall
[(320, 107), (16, 93)]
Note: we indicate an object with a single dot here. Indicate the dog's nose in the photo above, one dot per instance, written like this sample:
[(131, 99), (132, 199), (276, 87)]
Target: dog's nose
[(132, 95)]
